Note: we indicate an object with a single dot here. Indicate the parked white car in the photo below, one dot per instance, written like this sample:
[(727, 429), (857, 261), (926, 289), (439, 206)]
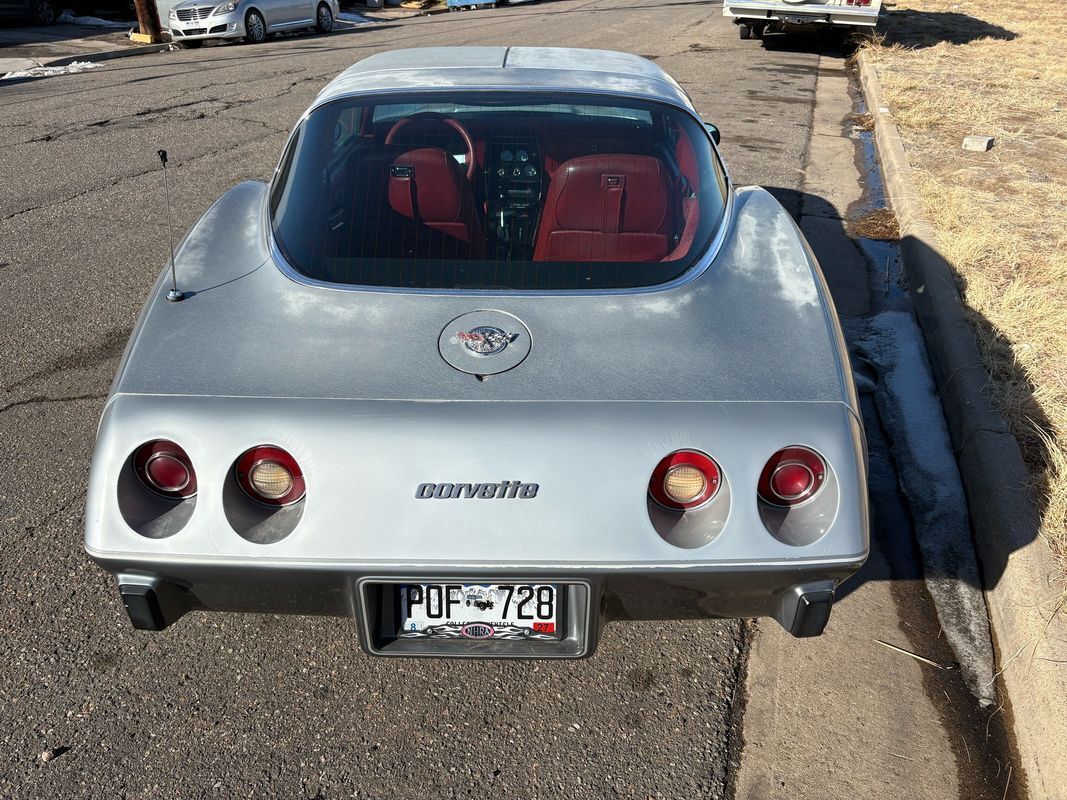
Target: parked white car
[(757, 17), (191, 22)]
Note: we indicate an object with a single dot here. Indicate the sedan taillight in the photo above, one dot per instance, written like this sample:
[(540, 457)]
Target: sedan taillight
[(792, 476), (684, 480), (165, 468), (270, 475)]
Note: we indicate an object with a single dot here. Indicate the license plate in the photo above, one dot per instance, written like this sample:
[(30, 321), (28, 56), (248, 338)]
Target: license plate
[(501, 611)]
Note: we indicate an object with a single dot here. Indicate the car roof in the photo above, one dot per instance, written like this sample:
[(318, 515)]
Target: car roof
[(562, 69)]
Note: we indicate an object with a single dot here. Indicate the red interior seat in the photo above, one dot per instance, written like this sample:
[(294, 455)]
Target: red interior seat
[(429, 186), (607, 208)]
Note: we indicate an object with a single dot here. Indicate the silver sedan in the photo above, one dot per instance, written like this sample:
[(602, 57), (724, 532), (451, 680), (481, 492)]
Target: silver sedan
[(192, 22)]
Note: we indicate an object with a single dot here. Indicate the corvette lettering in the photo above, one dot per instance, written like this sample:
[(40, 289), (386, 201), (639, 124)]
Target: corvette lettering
[(506, 490)]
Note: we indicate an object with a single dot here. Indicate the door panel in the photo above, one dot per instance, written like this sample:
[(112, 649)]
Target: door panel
[(284, 13)]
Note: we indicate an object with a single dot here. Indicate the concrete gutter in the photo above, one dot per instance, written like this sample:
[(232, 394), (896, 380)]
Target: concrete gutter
[(1024, 588), (842, 715)]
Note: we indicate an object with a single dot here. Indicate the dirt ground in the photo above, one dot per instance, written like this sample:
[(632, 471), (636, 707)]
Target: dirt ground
[(996, 68)]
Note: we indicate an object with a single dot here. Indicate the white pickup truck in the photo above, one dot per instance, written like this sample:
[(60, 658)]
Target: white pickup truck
[(757, 17)]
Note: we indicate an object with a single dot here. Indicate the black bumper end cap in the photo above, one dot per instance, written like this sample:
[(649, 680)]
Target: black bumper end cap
[(153, 604), (813, 612), (142, 604), (805, 609)]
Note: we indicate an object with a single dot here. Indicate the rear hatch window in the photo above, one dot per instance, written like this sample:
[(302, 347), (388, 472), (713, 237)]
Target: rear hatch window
[(504, 190)]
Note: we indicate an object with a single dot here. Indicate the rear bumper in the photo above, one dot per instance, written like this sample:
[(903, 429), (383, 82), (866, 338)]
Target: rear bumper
[(803, 13), (365, 514), (798, 597)]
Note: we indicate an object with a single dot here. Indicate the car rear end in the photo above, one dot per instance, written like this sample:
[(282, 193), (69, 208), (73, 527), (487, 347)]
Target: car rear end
[(759, 16), (480, 436), (627, 510), (679, 454)]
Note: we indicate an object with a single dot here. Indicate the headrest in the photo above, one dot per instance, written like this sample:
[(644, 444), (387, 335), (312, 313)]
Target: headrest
[(424, 184), (612, 194)]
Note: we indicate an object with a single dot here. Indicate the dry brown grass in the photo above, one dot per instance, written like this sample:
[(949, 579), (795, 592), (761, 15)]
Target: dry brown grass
[(861, 122), (997, 68), (880, 224)]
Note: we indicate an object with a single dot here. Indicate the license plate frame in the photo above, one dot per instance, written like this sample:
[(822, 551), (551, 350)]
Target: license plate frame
[(377, 613)]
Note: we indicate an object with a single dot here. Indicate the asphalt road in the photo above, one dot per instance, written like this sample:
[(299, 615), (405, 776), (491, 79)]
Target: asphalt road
[(230, 705)]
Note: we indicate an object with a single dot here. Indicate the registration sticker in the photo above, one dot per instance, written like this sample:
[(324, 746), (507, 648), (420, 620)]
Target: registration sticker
[(501, 611)]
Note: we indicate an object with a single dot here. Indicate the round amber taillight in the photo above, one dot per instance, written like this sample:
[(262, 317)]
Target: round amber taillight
[(684, 480), (270, 475)]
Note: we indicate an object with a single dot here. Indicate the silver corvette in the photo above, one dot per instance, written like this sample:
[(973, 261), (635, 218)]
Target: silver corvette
[(499, 354)]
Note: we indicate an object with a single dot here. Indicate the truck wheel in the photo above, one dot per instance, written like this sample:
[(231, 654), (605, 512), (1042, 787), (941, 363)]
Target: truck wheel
[(758, 31), (744, 31)]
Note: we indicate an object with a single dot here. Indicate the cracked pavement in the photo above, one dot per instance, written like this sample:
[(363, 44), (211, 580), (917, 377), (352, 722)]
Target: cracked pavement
[(221, 705)]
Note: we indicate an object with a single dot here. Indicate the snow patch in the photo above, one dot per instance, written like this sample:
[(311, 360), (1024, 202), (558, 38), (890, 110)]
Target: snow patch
[(352, 16), (68, 18), (50, 72), (929, 476)]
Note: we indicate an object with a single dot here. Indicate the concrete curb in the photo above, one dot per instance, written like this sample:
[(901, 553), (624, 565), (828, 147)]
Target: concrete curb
[(107, 55), (1023, 586)]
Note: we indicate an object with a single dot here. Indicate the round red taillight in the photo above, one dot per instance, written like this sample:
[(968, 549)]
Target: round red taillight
[(165, 468), (792, 476), (270, 475), (684, 480)]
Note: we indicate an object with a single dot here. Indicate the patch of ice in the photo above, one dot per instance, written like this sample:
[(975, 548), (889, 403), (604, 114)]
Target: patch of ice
[(68, 18), (352, 16), (929, 476), (50, 72)]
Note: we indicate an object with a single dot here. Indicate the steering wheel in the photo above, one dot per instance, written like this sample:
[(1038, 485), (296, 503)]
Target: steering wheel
[(454, 124)]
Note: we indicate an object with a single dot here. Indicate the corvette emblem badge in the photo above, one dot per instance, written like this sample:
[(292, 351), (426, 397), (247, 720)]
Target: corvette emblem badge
[(486, 340)]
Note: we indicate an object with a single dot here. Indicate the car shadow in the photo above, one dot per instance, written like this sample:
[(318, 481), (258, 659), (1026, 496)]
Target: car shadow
[(893, 529), (905, 27), (828, 42), (918, 29)]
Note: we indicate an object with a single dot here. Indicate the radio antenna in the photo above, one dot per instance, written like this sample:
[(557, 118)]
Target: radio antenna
[(173, 295)]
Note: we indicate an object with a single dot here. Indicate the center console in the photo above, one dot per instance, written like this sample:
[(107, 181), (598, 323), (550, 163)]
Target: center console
[(514, 186)]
